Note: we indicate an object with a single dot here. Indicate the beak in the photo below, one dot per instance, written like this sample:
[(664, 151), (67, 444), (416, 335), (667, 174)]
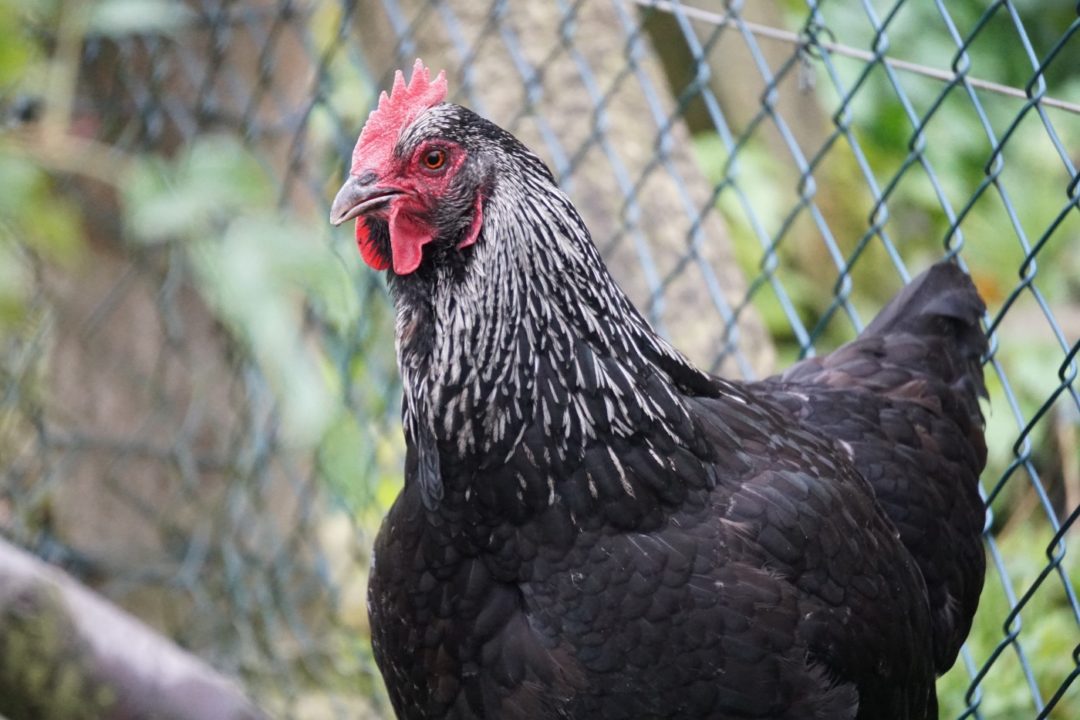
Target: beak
[(359, 195)]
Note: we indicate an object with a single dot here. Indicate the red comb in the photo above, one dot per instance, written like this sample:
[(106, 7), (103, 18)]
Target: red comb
[(395, 112)]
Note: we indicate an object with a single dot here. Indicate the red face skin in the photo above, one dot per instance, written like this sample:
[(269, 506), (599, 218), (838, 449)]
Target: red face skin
[(407, 193), (421, 180)]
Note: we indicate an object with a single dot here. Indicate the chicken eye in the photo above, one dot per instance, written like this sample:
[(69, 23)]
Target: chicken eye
[(434, 159)]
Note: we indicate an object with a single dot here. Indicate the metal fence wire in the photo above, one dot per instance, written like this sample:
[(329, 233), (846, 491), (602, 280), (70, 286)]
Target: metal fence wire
[(760, 176)]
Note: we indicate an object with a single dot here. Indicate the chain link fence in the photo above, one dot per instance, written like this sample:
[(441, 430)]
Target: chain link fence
[(199, 409)]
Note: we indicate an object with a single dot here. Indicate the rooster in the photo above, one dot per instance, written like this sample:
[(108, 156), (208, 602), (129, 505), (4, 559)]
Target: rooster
[(590, 526)]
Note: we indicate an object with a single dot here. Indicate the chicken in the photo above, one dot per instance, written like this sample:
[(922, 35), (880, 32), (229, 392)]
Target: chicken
[(590, 526)]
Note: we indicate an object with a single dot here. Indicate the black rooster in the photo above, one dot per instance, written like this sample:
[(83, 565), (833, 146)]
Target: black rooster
[(591, 527)]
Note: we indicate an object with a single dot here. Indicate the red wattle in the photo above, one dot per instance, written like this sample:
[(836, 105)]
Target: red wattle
[(407, 238)]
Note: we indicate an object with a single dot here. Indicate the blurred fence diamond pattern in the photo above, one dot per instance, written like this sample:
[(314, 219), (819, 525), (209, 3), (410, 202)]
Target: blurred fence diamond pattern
[(199, 413)]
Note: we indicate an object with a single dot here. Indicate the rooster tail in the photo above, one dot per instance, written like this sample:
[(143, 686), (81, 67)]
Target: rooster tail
[(940, 310), (925, 346)]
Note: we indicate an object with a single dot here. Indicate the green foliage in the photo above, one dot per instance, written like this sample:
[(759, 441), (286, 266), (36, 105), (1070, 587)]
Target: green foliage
[(264, 275), (1045, 631), (16, 49), (290, 294), (257, 267), (34, 219), (34, 222), (286, 295), (42, 668), (1030, 178), (213, 182)]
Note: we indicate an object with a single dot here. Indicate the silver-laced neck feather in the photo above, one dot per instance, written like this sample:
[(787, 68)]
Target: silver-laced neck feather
[(533, 330)]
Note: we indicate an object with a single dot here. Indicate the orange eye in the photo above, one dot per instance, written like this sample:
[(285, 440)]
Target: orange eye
[(434, 159)]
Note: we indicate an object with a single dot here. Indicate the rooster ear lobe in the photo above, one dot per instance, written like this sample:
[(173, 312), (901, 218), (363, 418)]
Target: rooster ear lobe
[(477, 223)]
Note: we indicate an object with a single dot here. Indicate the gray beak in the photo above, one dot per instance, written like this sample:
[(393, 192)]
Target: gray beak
[(359, 195)]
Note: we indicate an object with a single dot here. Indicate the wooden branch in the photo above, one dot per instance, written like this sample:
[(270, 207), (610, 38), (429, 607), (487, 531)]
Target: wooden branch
[(65, 652)]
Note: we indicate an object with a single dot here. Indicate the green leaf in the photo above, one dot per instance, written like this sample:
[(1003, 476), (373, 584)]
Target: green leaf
[(216, 180), (15, 284), (250, 278)]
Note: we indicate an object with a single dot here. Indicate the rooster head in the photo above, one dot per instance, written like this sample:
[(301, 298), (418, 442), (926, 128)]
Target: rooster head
[(411, 182)]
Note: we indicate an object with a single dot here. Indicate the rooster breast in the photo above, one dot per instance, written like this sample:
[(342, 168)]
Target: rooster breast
[(775, 588)]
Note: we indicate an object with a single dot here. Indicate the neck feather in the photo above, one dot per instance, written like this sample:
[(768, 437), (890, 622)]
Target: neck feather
[(533, 335)]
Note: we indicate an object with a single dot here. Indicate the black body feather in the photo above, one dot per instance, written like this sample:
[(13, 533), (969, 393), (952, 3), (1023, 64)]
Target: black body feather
[(614, 534)]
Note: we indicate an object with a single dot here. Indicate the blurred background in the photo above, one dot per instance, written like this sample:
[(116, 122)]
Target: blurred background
[(199, 404)]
